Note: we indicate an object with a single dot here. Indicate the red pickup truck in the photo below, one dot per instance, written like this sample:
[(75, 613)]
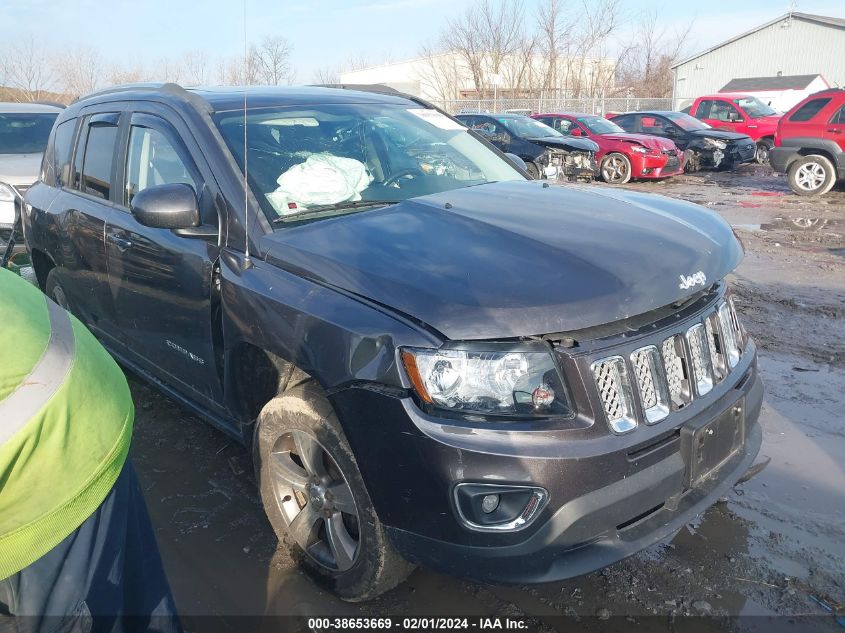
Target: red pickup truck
[(740, 113)]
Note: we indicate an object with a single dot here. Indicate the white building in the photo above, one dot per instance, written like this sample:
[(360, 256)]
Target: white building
[(781, 92), (447, 77), (793, 44)]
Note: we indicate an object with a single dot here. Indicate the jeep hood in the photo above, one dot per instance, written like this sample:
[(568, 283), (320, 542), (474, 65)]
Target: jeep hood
[(569, 143), (514, 259)]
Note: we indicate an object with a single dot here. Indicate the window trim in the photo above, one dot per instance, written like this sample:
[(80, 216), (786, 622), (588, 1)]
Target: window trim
[(104, 119), (838, 115), (166, 129)]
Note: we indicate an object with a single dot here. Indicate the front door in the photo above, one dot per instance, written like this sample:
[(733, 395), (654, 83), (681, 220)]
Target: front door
[(162, 284)]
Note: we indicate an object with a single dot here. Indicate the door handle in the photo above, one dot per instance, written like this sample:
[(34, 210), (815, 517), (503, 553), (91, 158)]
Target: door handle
[(121, 242)]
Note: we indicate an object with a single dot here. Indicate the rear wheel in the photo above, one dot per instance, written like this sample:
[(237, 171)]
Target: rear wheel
[(316, 500), (764, 146), (812, 175), (53, 289), (615, 169)]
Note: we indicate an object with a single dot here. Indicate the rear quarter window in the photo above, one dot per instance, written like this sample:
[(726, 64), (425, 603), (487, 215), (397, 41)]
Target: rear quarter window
[(809, 110), (62, 146)]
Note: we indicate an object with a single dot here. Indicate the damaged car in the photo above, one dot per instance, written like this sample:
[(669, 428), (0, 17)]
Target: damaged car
[(622, 155), (546, 152), (434, 359), (703, 146)]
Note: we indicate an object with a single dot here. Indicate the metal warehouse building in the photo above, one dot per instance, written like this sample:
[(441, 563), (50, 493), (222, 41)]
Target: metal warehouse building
[(793, 44)]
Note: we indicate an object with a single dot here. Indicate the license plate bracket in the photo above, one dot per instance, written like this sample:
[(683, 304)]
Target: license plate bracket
[(708, 445)]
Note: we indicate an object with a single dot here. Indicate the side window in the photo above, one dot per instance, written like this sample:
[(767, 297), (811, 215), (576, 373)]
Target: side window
[(839, 117), (627, 123), (703, 109), (98, 160), (564, 126), (724, 111), (653, 125), (152, 160), (62, 145), (809, 110)]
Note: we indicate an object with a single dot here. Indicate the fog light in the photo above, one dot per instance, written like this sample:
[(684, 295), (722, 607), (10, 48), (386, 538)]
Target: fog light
[(489, 503)]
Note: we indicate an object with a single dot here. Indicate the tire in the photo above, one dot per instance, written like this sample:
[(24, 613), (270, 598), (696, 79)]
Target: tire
[(53, 289), (532, 170), (615, 169), (812, 175), (764, 146), (337, 538)]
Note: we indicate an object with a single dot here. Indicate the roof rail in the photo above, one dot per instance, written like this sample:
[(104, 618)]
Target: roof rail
[(167, 88)]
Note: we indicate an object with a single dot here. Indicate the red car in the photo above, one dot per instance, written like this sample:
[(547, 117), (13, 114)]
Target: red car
[(621, 155), (810, 143), (740, 113)]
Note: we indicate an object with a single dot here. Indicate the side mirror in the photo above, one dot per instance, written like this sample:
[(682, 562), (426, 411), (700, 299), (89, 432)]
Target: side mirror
[(172, 206), (516, 160), (576, 131)]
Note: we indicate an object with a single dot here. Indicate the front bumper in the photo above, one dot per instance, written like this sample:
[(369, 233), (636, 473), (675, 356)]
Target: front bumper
[(662, 166), (609, 497), (744, 152)]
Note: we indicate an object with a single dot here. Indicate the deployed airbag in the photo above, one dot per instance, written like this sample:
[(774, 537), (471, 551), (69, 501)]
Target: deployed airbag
[(321, 179)]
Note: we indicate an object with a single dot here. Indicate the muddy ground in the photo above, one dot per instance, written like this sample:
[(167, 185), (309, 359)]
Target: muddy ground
[(775, 545)]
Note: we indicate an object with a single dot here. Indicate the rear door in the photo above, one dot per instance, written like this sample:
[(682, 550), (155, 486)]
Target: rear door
[(835, 130), (86, 200), (163, 284), (808, 120)]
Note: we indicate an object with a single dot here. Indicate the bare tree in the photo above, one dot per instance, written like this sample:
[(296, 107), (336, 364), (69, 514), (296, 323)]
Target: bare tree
[(272, 60), (326, 75), (441, 73), (196, 67), (646, 66), (78, 70), (27, 69)]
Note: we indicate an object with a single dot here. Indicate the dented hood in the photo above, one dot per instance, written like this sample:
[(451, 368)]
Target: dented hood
[(646, 140), (514, 258)]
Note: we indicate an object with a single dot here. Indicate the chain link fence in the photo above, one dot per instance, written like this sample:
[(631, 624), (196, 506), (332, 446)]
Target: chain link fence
[(589, 105)]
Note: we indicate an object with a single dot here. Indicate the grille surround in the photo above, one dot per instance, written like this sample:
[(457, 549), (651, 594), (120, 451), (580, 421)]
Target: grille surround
[(669, 374)]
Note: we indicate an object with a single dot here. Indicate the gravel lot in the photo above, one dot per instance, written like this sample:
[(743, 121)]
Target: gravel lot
[(773, 545)]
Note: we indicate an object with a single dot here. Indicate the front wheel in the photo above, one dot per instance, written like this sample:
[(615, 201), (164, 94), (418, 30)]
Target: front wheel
[(316, 500), (533, 170), (763, 148), (812, 175), (615, 169), (53, 289)]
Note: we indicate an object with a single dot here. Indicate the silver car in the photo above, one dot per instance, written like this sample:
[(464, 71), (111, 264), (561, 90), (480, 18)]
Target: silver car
[(24, 130)]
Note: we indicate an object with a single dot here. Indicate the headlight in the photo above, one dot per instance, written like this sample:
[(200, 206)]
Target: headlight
[(640, 149), (7, 194), (487, 382), (712, 142)]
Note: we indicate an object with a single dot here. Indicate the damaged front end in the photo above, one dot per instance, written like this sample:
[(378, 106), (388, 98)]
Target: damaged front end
[(571, 165), (708, 153)]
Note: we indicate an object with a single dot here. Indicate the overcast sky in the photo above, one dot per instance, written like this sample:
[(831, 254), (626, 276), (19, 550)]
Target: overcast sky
[(322, 32)]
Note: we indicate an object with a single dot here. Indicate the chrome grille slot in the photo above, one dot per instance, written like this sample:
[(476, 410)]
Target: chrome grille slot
[(700, 355), (677, 375), (615, 392), (714, 343), (651, 383), (731, 347)]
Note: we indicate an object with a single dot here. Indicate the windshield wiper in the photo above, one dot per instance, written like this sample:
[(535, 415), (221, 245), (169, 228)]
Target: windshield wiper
[(340, 206)]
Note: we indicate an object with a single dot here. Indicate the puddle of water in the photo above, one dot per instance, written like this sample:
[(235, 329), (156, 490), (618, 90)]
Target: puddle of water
[(790, 224)]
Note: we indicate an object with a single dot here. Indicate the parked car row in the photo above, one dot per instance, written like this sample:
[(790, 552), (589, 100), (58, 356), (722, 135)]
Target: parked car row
[(717, 131)]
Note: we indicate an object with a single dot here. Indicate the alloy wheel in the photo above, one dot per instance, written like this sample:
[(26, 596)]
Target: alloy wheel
[(315, 500), (614, 169), (810, 176)]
